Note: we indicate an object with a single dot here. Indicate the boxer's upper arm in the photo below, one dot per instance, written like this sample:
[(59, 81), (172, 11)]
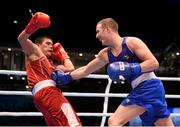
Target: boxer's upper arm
[(27, 45)]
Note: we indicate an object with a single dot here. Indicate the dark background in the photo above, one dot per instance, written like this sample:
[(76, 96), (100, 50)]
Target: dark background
[(73, 22)]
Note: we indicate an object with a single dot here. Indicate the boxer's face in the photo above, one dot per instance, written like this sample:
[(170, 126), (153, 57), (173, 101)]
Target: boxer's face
[(46, 47), (102, 34)]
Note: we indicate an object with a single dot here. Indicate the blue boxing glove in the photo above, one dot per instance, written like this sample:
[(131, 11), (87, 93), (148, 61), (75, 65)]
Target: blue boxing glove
[(60, 77), (116, 69)]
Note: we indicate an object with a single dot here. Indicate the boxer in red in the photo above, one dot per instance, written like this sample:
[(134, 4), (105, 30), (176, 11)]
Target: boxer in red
[(47, 98)]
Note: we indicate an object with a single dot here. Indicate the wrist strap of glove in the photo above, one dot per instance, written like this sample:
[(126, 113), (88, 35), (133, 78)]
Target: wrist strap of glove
[(135, 68)]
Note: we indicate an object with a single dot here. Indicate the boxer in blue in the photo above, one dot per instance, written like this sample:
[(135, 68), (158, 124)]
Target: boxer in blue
[(131, 58)]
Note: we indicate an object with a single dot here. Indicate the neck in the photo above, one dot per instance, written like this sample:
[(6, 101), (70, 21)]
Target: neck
[(117, 42)]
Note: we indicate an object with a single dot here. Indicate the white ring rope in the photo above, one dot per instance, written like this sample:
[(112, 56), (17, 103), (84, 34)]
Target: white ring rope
[(23, 73), (95, 76), (10, 72), (106, 96), (94, 114), (82, 94)]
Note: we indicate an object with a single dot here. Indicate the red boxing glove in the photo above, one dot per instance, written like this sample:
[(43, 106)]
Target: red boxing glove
[(59, 53), (38, 20)]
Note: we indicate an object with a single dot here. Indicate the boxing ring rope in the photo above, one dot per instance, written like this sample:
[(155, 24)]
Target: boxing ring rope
[(83, 94), (106, 96), (79, 114), (95, 76)]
